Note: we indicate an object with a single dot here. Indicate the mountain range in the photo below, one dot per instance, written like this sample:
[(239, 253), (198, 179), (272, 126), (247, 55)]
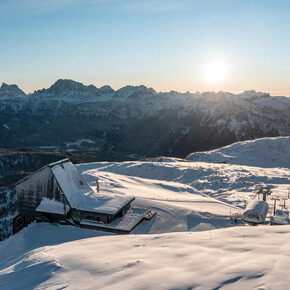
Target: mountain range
[(136, 121)]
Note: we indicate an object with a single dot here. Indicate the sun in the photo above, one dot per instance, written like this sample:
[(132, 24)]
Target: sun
[(215, 71)]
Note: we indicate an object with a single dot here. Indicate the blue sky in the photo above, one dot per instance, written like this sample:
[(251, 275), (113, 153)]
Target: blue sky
[(161, 44)]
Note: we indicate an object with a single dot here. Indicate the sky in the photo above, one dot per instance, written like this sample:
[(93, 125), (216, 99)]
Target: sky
[(182, 45)]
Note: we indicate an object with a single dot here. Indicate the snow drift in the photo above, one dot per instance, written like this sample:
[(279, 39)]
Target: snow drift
[(61, 257)]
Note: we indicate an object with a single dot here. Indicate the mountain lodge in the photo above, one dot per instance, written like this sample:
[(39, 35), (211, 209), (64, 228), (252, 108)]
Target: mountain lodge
[(59, 193)]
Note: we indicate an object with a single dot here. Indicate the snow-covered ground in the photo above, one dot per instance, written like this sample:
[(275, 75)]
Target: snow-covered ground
[(195, 185), (178, 248), (47, 256), (263, 152)]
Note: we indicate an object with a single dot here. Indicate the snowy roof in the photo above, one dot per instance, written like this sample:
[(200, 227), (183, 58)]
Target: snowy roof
[(125, 223), (104, 204), (80, 195), (281, 217), (52, 206), (58, 162), (71, 182), (256, 211), (258, 206)]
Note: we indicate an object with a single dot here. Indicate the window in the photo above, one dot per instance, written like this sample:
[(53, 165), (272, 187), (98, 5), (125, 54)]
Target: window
[(90, 217)]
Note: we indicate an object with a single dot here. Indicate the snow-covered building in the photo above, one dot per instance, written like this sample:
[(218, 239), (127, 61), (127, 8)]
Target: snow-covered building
[(255, 212), (281, 217), (58, 192)]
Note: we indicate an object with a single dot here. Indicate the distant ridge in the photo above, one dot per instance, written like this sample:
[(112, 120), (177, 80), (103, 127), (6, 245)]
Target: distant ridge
[(264, 152), (136, 120), (62, 85)]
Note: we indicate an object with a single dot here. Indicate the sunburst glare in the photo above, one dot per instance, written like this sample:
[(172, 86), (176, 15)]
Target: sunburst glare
[(215, 71)]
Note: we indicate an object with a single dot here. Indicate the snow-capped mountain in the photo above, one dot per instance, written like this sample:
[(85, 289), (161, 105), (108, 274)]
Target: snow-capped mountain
[(10, 91), (69, 90), (136, 119)]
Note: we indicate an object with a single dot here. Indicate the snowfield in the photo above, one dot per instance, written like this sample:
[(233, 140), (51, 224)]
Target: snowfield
[(263, 152), (185, 181), (190, 243), (47, 256)]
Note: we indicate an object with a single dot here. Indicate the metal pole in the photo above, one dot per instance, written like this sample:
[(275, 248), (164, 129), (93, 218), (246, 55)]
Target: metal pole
[(275, 198), (284, 199)]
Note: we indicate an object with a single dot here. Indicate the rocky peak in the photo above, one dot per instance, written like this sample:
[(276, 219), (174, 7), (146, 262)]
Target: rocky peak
[(131, 91), (254, 94), (11, 91), (70, 88), (106, 89)]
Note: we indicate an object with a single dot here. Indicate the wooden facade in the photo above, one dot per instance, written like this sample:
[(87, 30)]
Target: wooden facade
[(43, 184), (33, 189), (105, 217)]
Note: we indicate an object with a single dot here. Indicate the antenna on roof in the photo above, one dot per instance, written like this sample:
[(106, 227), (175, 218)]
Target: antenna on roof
[(98, 186)]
